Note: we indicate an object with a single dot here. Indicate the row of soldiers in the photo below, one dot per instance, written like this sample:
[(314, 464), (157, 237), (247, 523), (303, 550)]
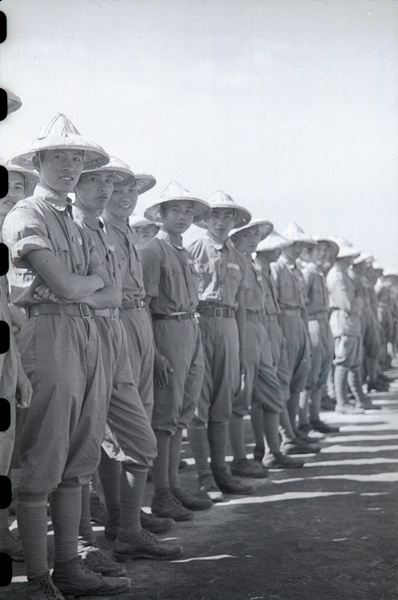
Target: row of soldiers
[(124, 339)]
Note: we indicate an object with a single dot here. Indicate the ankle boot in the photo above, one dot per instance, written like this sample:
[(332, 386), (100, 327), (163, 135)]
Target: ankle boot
[(42, 588), (75, 578), (164, 504)]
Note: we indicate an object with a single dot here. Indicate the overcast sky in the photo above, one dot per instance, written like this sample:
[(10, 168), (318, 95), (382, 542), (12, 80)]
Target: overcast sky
[(290, 106)]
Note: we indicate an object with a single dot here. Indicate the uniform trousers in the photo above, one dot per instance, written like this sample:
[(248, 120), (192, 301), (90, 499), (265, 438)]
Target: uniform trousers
[(221, 382), (65, 423), (261, 379), (141, 352), (179, 341), (298, 350), (127, 418)]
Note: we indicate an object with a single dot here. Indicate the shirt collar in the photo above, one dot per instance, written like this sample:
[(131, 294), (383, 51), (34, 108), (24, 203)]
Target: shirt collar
[(55, 200), (88, 219), (217, 244), (264, 268), (122, 228), (284, 260), (170, 238)]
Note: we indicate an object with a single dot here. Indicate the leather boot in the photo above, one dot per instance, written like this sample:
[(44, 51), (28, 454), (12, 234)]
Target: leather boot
[(75, 578)]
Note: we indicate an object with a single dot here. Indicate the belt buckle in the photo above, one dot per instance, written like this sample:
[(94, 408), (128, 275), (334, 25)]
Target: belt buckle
[(218, 313), (85, 311), (137, 303), (114, 313)]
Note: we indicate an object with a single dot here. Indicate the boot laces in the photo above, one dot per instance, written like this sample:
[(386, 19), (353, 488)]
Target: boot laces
[(173, 499), (49, 589), (84, 567)]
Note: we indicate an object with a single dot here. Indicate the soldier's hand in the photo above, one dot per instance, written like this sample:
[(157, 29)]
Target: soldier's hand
[(42, 292), (162, 369), (242, 361), (24, 389)]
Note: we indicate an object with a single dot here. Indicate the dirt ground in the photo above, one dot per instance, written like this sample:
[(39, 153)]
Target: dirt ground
[(327, 531)]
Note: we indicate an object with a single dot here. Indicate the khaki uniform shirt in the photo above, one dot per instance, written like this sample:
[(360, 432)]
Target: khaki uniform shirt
[(345, 303), (104, 245), (254, 294), (169, 275), (44, 221), (131, 262), (221, 269), (290, 284), (271, 305), (316, 289)]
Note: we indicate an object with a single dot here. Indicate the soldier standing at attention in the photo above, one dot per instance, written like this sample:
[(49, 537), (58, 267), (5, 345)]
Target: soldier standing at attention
[(222, 284), (294, 322), (171, 285), (127, 417), (58, 279), (268, 251), (261, 379), (345, 323), (321, 339), (137, 323)]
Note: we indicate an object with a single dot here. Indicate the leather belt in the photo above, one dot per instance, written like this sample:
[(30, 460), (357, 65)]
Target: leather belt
[(134, 304), (255, 316), (271, 317), (320, 313), (218, 313), (112, 313), (160, 317), (291, 312), (69, 310)]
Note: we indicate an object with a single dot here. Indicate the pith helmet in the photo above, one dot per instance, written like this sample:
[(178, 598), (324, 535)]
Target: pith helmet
[(363, 257), (144, 182), (265, 227), (31, 177), (222, 200), (274, 241), (295, 233), (175, 191), (122, 173), (345, 248), (14, 102), (136, 221), (61, 134), (334, 249)]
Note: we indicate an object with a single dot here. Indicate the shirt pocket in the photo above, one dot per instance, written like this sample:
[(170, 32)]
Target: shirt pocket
[(317, 296), (63, 252), (234, 272), (173, 281), (287, 292)]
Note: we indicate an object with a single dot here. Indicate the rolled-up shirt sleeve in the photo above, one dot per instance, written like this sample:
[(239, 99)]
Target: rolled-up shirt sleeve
[(24, 231)]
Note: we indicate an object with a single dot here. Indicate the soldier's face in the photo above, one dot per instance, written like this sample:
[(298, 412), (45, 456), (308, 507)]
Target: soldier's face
[(248, 240), (60, 169), (220, 222), (269, 256), (16, 192), (123, 200), (293, 252), (95, 189), (322, 253), (145, 233), (178, 216)]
